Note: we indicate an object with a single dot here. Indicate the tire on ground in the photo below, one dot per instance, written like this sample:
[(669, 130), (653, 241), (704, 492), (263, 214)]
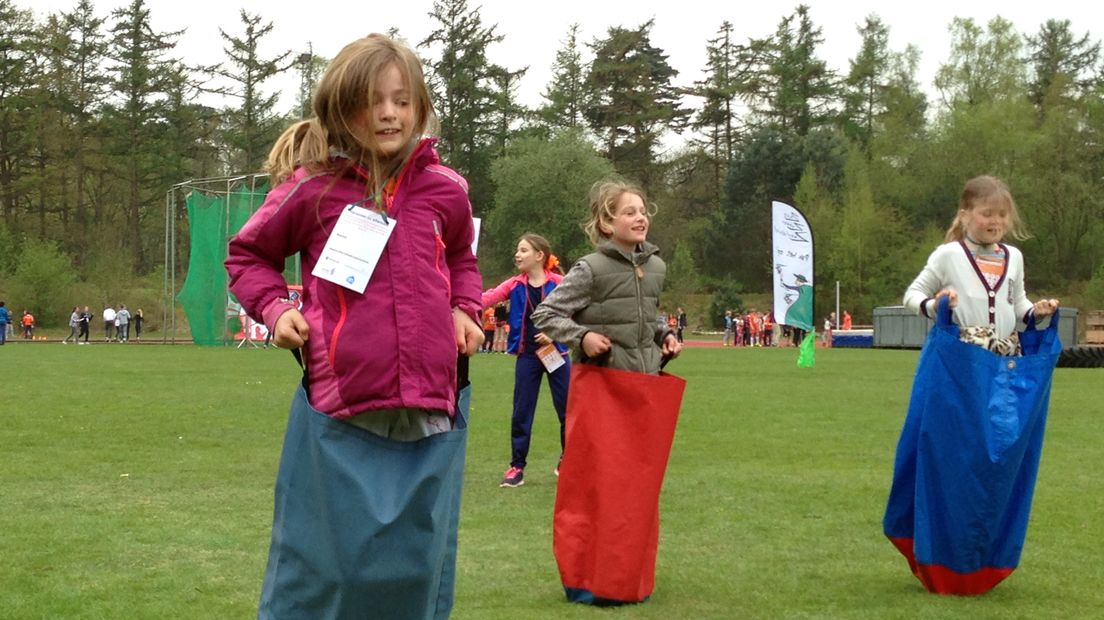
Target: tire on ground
[(1082, 357)]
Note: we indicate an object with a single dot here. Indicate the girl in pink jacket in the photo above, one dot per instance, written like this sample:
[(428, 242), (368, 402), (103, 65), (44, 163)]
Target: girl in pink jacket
[(368, 490)]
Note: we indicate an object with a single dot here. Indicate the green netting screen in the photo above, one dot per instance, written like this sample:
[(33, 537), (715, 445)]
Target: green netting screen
[(214, 218)]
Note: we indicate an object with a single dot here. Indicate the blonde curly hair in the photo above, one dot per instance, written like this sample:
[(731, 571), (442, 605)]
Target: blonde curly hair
[(604, 195)]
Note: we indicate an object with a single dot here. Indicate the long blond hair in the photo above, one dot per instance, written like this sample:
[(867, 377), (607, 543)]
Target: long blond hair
[(345, 90), (604, 195), (980, 190)]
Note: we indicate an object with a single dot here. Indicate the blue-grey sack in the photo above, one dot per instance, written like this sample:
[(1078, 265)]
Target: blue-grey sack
[(364, 527)]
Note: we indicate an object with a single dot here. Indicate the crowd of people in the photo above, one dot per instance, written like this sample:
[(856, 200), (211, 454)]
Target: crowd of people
[(760, 329), (757, 329), (496, 327), (117, 324), (749, 329)]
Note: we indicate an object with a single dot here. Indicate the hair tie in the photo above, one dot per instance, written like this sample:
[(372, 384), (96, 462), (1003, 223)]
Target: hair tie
[(552, 262)]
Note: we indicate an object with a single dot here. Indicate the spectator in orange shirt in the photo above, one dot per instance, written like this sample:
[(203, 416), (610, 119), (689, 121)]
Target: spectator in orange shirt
[(28, 325), (768, 329), (488, 329)]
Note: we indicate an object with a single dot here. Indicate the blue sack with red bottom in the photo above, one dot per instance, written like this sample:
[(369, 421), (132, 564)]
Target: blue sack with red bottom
[(968, 456)]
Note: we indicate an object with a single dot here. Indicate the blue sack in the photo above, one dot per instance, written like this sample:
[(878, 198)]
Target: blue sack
[(968, 456), (364, 527)]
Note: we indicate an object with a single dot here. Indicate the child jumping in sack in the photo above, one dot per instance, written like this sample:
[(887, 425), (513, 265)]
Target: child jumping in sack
[(969, 450), (368, 489), (606, 525)]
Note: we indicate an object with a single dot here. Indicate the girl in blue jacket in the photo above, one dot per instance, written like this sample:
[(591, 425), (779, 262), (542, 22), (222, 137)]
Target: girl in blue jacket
[(539, 273)]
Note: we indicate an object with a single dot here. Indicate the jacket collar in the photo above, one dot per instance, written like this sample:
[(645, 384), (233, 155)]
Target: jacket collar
[(549, 276), (643, 252), (422, 154)]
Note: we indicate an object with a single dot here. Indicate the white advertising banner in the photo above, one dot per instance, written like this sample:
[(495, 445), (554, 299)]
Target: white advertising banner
[(793, 266)]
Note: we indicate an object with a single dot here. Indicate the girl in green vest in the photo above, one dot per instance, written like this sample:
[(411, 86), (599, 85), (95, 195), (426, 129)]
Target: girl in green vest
[(619, 424), (605, 309)]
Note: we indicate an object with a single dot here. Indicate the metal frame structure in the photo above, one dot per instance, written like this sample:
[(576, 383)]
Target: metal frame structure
[(177, 195)]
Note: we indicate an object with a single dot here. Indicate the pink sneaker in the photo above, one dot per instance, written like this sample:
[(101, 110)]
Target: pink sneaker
[(514, 477)]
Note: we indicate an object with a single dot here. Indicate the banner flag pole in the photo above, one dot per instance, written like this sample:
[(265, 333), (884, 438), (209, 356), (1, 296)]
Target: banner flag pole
[(792, 255)]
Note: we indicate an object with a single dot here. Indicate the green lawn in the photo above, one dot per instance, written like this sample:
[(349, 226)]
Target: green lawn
[(136, 482)]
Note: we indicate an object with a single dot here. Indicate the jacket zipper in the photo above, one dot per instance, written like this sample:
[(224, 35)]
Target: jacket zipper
[(525, 291), (438, 252), (639, 315), (337, 328)]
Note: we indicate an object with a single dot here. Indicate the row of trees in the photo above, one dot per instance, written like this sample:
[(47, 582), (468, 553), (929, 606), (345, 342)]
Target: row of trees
[(98, 120)]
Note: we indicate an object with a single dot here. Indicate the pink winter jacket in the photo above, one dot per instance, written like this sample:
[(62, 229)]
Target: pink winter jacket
[(394, 345)]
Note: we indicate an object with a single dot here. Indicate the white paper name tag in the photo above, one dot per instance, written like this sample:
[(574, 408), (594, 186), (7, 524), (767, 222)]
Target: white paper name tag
[(354, 248), (550, 357)]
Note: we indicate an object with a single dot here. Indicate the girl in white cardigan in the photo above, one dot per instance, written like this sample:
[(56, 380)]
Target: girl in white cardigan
[(982, 276)]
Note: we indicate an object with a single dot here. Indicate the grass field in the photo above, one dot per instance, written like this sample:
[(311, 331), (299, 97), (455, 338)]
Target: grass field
[(136, 482)]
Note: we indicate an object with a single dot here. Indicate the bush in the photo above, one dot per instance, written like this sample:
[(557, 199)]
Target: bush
[(726, 296), (682, 276), (43, 283), (1094, 292)]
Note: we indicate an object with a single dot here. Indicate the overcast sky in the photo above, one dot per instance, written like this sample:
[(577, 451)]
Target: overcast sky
[(535, 31)]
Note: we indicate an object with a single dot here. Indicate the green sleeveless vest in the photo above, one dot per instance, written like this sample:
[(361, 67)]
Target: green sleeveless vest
[(623, 305)]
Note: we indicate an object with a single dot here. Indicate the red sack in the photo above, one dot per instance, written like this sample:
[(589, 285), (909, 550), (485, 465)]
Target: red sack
[(619, 430)]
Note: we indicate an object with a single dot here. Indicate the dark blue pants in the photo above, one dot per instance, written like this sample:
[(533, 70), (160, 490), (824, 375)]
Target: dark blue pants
[(527, 382)]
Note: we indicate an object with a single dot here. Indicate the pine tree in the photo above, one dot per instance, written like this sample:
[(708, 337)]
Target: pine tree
[(904, 103), (85, 57), (900, 148), (69, 92), (17, 75), (866, 82), (192, 140), (1063, 65), (566, 93), (134, 122), (251, 127), (682, 278), (798, 89), (727, 79), (465, 95), (47, 121), (634, 100), (310, 67), (507, 113), (869, 244)]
